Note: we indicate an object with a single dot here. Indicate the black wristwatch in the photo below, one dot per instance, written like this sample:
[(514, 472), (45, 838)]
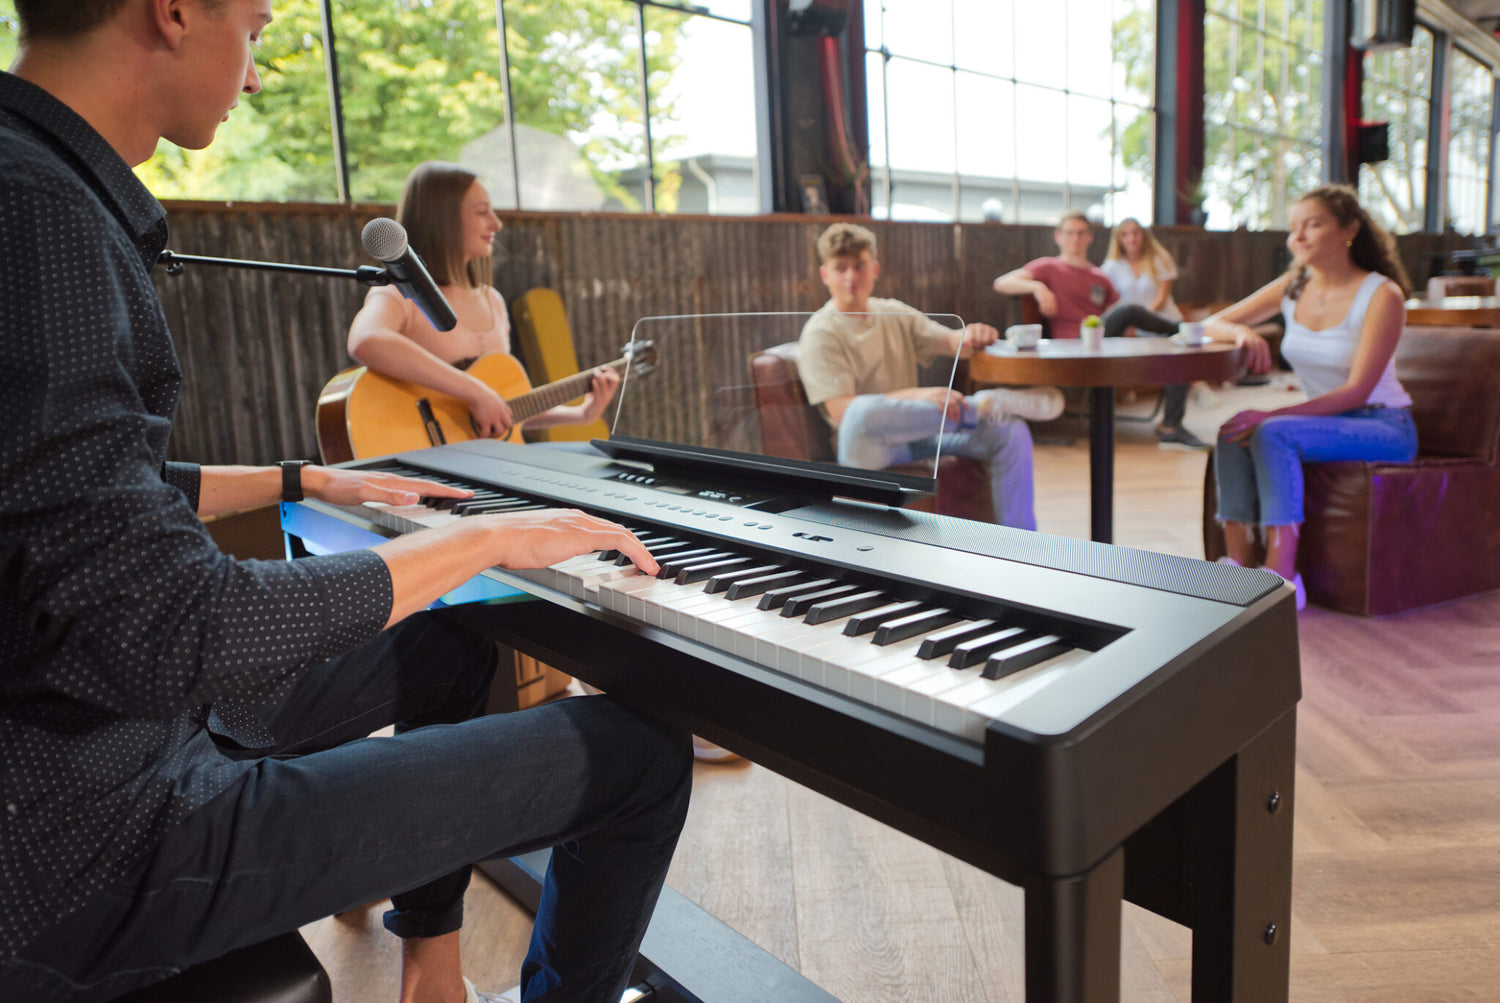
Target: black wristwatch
[(291, 479)]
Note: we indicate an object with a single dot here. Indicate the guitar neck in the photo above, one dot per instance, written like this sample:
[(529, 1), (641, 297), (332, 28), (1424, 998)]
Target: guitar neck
[(545, 398)]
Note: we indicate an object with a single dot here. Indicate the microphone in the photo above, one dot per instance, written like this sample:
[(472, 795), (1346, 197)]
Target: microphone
[(385, 241)]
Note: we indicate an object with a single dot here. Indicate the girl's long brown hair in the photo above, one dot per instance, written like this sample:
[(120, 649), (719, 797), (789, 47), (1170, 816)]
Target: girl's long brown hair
[(1372, 249), (431, 210)]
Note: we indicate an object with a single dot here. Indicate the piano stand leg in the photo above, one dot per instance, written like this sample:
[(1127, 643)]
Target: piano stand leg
[(1073, 935), (1241, 869)]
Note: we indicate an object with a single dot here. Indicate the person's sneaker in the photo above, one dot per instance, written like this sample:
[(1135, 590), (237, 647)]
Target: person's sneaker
[(707, 752), (1180, 438), (1297, 587), (472, 995), (1031, 403), (1204, 397), (1226, 559)]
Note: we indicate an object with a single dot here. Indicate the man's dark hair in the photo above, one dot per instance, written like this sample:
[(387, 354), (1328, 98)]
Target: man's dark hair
[(62, 19)]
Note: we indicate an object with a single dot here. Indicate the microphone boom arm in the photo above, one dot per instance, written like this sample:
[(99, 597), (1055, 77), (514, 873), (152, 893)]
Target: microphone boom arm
[(365, 275)]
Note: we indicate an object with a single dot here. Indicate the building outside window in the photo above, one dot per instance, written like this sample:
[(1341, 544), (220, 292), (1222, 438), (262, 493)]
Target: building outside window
[(1397, 90), (1470, 117), (1263, 69), (1008, 110)]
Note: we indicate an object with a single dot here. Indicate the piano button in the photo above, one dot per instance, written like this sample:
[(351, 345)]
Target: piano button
[(802, 602), (944, 641), (757, 586), (866, 622), (774, 598), (694, 573), (835, 609), (975, 651), (913, 624), (678, 559), (1022, 656)]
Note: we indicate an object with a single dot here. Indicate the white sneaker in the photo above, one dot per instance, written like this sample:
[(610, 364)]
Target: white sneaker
[(472, 995), (1226, 559), (1031, 403), (707, 752), (1296, 583)]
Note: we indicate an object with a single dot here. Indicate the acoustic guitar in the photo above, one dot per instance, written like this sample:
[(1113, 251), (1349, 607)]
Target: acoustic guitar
[(363, 414)]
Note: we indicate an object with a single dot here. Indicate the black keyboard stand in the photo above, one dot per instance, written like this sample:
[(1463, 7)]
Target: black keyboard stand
[(1218, 860)]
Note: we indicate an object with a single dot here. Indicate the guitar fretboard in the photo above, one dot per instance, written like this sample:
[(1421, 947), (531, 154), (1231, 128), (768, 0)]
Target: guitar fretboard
[(533, 403)]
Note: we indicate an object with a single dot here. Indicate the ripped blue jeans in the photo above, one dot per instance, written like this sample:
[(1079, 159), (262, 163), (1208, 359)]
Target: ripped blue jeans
[(1260, 481)]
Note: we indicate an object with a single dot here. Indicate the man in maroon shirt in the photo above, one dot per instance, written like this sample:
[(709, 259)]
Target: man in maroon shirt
[(1070, 287)]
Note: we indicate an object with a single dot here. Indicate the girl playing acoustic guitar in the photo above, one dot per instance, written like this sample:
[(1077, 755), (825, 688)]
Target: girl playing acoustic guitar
[(448, 219)]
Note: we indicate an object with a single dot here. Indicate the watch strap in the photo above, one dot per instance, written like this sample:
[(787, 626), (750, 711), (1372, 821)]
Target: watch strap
[(291, 480)]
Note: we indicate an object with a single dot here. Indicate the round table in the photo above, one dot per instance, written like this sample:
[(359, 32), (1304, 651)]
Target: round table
[(1118, 362)]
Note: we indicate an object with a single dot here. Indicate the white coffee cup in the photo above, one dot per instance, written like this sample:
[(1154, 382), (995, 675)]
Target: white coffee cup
[(1023, 335), (1191, 331), (1092, 337)]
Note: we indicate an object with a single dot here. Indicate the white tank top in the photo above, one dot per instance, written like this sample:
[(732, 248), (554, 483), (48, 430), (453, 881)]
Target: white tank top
[(1323, 358)]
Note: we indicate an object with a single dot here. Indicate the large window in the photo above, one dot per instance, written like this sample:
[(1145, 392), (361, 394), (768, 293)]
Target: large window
[(1263, 71), (1010, 110), (1397, 89), (8, 29), (428, 81), (1471, 90)]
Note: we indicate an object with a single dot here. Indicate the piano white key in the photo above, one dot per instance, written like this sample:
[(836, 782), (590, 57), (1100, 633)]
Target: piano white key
[(1027, 682)]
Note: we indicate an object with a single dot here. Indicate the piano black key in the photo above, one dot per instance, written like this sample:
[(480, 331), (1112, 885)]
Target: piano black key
[(974, 652), (756, 586), (774, 598), (695, 573), (832, 609), (1024, 655), (913, 624), (649, 542), (720, 583), (866, 622), (675, 563), (802, 602), (657, 551), (943, 641)]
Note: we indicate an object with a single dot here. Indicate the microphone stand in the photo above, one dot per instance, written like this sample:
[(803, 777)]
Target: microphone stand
[(365, 275)]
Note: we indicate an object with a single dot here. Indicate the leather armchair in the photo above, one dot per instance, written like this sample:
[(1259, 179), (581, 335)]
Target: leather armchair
[(792, 428), (1385, 537)]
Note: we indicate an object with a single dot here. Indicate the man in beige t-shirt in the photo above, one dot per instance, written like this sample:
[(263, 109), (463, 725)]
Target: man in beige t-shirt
[(859, 356)]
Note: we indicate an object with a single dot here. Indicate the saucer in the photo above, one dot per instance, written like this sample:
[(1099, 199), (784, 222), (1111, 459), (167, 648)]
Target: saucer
[(1188, 341)]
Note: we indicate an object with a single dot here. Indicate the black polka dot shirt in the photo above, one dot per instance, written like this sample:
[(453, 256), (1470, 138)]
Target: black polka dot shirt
[(125, 635)]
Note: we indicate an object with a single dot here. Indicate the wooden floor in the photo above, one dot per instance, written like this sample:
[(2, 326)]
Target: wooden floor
[(1397, 887)]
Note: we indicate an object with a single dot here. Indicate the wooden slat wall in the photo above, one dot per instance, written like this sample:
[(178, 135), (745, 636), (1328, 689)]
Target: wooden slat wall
[(256, 347)]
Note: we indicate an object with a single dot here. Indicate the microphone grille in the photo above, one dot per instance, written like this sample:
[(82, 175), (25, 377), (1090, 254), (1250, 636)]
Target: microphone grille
[(384, 239)]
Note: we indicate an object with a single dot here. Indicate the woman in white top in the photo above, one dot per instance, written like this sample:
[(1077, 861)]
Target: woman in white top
[(1344, 304), (449, 221), (1141, 270)]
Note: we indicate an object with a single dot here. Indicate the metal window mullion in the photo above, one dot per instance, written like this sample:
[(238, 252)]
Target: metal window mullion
[(953, 75), (510, 104), (335, 102), (1489, 185), (1437, 141), (640, 27)]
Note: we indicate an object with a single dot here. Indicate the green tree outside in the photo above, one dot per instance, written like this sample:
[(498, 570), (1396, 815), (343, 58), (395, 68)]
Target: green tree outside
[(1262, 105), (421, 78)]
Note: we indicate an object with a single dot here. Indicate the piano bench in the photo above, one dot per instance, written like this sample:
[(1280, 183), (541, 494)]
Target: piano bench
[(280, 970)]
